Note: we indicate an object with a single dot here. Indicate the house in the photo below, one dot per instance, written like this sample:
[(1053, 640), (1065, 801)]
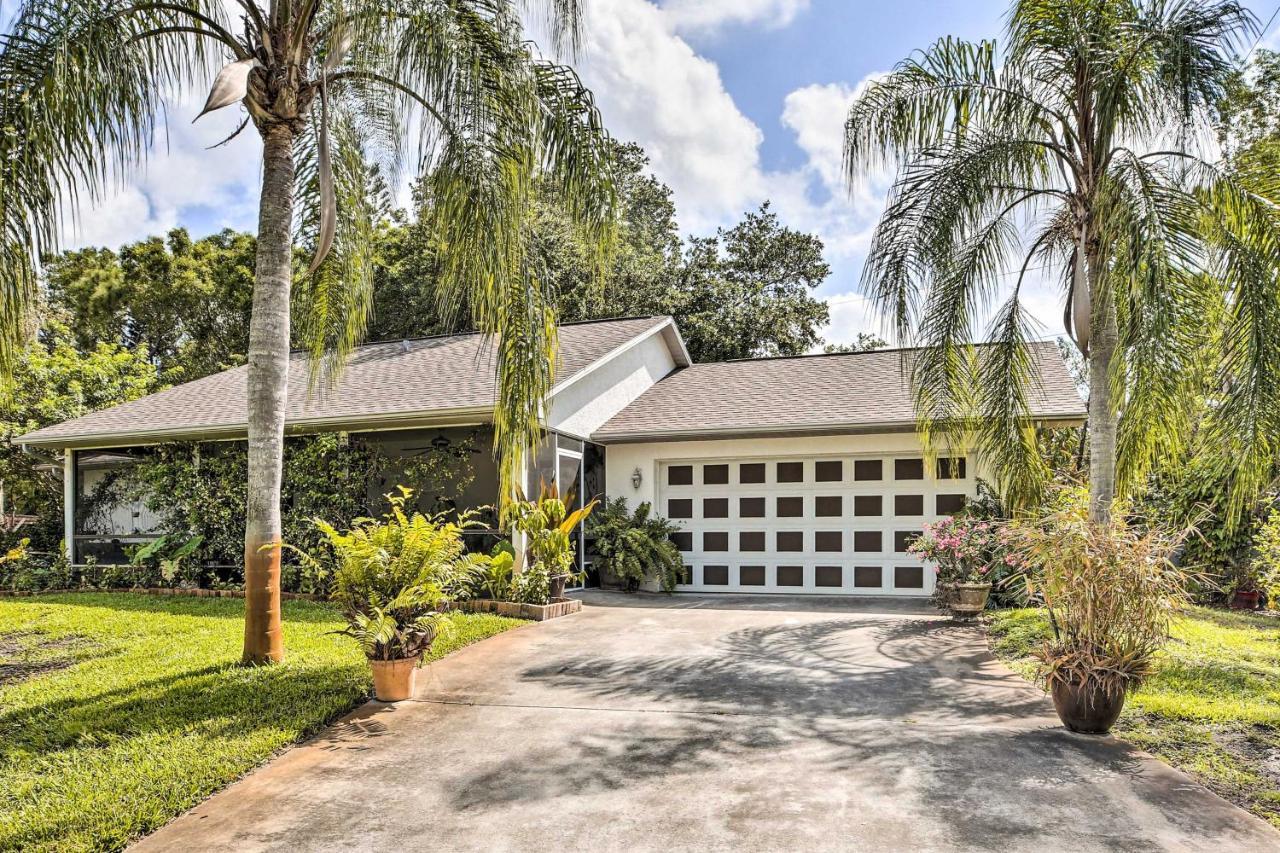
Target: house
[(797, 475)]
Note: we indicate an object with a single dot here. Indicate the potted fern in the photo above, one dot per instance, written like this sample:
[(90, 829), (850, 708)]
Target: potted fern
[(392, 578), (635, 547)]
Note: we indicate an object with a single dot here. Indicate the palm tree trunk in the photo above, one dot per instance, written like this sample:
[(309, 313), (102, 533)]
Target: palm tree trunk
[(268, 387), (1103, 420)]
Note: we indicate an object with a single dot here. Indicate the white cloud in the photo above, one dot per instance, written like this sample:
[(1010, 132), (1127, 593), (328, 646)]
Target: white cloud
[(706, 16), (654, 89), (181, 181)]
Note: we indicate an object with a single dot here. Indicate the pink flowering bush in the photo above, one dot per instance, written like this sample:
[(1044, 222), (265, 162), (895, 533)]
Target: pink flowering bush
[(968, 550)]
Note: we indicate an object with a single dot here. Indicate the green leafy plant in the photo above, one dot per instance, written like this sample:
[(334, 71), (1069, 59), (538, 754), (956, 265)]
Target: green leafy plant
[(547, 524), (1266, 561), (392, 577), (1111, 590), (495, 580), (636, 546)]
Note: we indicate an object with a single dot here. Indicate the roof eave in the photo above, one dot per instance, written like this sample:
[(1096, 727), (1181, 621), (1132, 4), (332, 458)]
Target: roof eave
[(1051, 421), (461, 416)]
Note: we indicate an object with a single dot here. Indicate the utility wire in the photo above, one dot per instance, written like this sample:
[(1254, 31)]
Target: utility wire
[(1261, 36)]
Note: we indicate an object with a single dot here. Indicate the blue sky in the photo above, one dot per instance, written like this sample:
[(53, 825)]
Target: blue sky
[(736, 101)]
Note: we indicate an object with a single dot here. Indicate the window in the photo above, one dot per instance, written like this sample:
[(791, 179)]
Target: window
[(680, 475), (790, 575), (751, 540), (790, 472), (828, 540), (867, 577), (680, 508), (715, 507), (868, 469), (715, 475), (950, 504), (828, 472), (751, 507), (715, 575), (717, 541), (790, 540), (951, 468), (867, 505), (751, 472), (908, 505), (908, 469), (908, 577), (828, 576), (751, 575), (866, 540), (790, 507), (828, 506), (683, 540)]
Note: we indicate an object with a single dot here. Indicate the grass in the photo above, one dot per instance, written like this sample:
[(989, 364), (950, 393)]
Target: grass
[(120, 711), (1212, 708)]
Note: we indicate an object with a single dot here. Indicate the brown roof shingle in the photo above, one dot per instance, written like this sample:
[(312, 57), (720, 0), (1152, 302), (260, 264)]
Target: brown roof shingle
[(807, 393), (383, 381)]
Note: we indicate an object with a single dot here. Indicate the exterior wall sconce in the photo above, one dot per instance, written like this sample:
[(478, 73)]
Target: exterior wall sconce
[(636, 478)]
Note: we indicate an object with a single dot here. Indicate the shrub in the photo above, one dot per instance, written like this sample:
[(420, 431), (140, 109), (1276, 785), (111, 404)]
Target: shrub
[(392, 577), (635, 546), (547, 524), (1266, 559), (1110, 590)]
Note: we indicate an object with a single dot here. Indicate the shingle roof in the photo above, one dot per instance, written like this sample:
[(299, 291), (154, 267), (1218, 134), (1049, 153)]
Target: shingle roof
[(850, 391), (385, 381)]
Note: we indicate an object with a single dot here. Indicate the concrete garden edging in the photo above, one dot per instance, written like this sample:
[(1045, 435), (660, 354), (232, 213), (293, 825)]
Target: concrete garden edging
[(537, 612)]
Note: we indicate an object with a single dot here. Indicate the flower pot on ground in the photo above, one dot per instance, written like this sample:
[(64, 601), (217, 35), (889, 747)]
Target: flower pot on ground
[(969, 599), (394, 680), (1245, 599), (1086, 708), (1111, 591), (969, 555), (392, 579)]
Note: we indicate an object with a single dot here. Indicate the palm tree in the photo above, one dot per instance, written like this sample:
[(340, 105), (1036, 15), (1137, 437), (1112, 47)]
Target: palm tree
[(342, 93), (1077, 152)]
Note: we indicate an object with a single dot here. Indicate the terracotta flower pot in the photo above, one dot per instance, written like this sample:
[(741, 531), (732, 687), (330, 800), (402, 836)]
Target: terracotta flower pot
[(1245, 600), (393, 680), (1085, 708), (969, 599)]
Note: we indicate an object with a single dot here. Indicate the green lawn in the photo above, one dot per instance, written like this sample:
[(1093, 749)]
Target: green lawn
[(119, 711), (1212, 708)]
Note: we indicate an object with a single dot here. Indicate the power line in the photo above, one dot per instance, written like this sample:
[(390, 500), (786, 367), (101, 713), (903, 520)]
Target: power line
[(1261, 35)]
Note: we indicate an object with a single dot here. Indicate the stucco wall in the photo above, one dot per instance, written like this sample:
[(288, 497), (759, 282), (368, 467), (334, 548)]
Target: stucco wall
[(583, 406)]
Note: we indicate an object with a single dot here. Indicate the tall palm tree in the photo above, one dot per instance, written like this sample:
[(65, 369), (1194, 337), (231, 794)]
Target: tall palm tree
[(1077, 152), (342, 93)]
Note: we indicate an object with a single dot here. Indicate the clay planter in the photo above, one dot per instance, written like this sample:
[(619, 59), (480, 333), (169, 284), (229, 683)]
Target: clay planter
[(969, 599), (1086, 709), (393, 680), (556, 586), (1245, 599)]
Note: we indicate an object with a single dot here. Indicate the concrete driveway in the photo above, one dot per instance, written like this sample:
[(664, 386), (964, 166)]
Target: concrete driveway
[(702, 722)]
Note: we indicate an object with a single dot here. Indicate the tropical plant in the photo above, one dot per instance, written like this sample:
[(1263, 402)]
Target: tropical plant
[(341, 92), (1110, 589), (1265, 565), (634, 546), (1071, 152), (496, 579), (547, 525), (392, 577)]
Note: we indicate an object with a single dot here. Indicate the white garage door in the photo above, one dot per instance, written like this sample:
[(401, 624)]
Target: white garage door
[(820, 525)]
